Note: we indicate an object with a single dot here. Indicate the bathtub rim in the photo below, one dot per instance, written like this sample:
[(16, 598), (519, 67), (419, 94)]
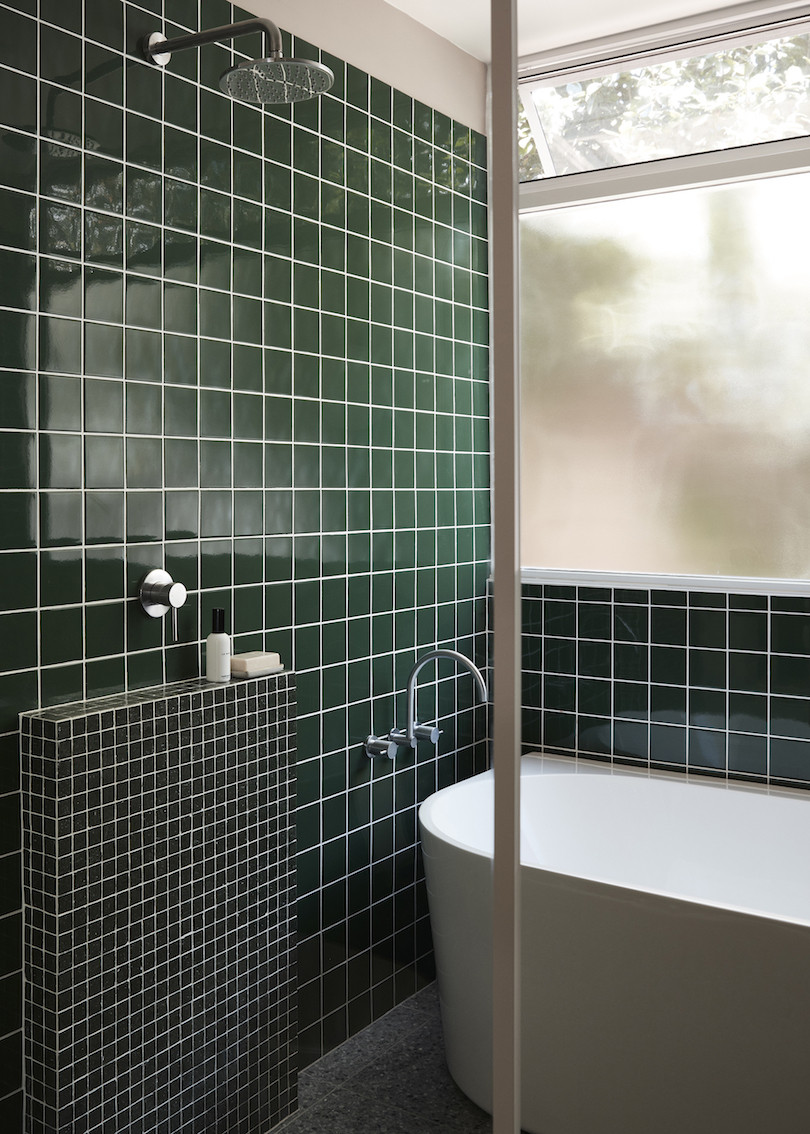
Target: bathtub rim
[(539, 763)]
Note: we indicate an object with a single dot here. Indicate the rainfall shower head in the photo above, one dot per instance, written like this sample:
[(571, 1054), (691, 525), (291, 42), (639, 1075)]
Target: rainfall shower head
[(276, 80), (269, 80)]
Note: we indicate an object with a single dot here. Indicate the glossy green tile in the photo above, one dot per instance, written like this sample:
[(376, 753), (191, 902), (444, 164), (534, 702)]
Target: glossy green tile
[(180, 252), (667, 744), (247, 367), (248, 561), (215, 165), (747, 712), (143, 408), (144, 195), (247, 272), (707, 708), (104, 517), (180, 157), (247, 320), (180, 411), (143, 462), (61, 519), (104, 128), (18, 97), (18, 580), (788, 675), (707, 668), (104, 350), (247, 122), (248, 515), (668, 665), (180, 209), (143, 358), (143, 247), (17, 280), (247, 417), (707, 628), (215, 115), (60, 227), (144, 517), (247, 224), (215, 413), (215, 363), (706, 749), (61, 54), (790, 633), (104, 629), (215, 464), (747, 754), (18, 161), (216, 514), (182, 515), (60, 461), (104, 74), (790, 716), (104, 573), (104, 462)]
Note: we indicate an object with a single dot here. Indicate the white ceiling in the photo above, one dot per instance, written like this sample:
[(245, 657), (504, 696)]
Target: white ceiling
[(544, 24)]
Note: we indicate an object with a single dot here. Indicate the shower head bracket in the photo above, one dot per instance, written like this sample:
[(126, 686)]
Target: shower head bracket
[(150, 47), (158, 50)]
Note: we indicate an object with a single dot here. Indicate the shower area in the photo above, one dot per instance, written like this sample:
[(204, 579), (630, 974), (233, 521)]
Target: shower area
[(243, 341)]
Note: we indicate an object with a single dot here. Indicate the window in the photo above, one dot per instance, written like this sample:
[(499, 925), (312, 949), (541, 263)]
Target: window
[(665, 410), (682, 104)]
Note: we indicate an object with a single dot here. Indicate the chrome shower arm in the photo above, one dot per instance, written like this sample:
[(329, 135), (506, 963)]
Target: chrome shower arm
[(453, 655), (157, 50)]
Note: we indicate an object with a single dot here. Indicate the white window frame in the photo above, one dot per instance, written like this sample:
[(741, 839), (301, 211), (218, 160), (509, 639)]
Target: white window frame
[(744, 23)]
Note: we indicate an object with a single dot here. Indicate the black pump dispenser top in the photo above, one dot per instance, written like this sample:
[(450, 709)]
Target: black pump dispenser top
[(218, 620)]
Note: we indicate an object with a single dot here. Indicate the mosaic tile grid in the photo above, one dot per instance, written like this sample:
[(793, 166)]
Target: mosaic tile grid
[(159, 919), (252, 347), (706, 682)]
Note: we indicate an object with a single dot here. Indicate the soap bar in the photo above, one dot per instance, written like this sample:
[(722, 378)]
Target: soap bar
[(255, 664)]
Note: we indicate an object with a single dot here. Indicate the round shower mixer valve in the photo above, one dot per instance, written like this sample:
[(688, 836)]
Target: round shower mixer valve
[(159, 594)]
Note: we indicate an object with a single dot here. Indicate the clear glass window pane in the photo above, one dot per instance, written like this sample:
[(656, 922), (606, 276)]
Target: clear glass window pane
[(666, 383), (736, 97)]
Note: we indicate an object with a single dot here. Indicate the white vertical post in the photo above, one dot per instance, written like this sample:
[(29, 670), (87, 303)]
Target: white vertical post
[(506, 567)]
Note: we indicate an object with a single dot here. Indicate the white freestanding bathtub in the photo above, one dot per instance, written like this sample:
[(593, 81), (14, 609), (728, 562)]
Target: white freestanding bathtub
[(666, 949)]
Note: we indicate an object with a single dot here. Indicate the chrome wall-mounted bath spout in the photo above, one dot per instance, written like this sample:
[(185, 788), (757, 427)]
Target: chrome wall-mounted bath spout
[(272, 79), (410, 736)]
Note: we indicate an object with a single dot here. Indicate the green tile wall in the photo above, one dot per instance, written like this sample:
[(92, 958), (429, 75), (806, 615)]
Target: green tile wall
[(250, 346), (708, 682)]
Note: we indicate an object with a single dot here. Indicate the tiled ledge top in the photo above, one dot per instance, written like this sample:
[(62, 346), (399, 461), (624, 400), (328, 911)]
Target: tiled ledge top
[(200, 693)]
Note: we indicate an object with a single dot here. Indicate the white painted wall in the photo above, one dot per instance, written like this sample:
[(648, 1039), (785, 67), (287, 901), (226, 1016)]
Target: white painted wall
[(391, 46)]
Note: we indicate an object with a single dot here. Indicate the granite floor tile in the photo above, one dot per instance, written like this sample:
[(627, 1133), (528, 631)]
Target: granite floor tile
[(391, 1078), (419, 1082), (350, 1112), (347, 1060)]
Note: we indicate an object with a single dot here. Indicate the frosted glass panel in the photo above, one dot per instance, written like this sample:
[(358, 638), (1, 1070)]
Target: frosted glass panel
[(666, 383)]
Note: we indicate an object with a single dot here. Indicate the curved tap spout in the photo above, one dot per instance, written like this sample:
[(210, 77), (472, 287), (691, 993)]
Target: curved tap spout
[(434, 655)]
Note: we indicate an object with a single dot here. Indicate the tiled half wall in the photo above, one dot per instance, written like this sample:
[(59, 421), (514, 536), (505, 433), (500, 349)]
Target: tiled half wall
[(249, 345), (159, 878), (709, 682)]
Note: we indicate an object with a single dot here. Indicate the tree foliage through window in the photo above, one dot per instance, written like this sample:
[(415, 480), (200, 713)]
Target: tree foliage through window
[(739, 96)]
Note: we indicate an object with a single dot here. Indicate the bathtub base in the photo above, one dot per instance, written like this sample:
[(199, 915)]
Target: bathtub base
[(641, 1013)]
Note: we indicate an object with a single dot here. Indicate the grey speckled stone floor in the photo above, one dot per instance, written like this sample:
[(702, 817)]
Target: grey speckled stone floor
[(391, 1078)]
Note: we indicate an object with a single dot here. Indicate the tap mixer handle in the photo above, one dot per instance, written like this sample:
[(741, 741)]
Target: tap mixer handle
[(159, 594)]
